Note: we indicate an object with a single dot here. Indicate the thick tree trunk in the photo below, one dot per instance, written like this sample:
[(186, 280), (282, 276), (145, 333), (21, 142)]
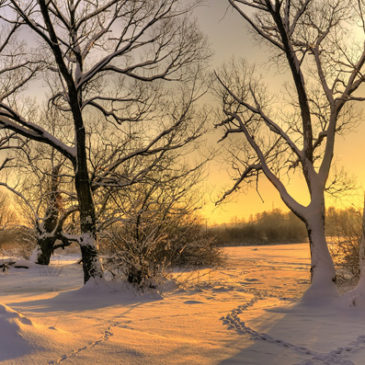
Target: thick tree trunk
[(51, 218), (90, 261), (46, 249), (322, 267), (323, 274), (88, 240)]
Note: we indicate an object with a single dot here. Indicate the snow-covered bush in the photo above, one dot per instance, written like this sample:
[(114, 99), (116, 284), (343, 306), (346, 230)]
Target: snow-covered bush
[(135, 257), (142, 255)]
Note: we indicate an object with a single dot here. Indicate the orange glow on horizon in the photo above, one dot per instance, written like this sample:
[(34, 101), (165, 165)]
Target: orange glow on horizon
[(230, 36), (349, 155)]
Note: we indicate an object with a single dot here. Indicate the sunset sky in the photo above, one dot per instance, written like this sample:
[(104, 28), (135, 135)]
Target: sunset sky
[(229, 37)]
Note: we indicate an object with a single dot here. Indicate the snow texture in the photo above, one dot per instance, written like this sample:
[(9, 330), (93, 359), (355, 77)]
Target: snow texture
[(247, 312)]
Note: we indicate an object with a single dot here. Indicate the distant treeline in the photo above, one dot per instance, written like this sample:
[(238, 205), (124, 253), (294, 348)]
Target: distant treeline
[(277, 226), (343, 222)]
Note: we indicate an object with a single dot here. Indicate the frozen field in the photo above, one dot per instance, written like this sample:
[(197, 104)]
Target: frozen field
[(244, 313)]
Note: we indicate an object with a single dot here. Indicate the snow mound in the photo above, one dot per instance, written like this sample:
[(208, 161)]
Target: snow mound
[(98, 293), (12, 325), (99, 287), (8, 313)]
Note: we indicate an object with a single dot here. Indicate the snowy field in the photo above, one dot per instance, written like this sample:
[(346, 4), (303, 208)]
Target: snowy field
[(242, 313)]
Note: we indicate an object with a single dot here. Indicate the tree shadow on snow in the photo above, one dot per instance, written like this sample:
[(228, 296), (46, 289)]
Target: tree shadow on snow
[(90, 297)]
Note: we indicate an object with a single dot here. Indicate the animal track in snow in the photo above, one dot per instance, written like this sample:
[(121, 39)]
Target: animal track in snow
[(105, 337), (336, 356)]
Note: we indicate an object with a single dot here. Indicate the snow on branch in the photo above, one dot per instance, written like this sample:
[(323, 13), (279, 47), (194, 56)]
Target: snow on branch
[(257, 109), (9, 119)]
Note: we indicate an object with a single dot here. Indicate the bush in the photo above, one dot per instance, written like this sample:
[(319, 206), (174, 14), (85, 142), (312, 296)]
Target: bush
[(344, 228), (138, 259), (143, 255), (191, 246), (17, 242)]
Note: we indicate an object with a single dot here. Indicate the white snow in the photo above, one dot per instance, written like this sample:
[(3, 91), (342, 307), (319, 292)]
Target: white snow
[(246, 312)]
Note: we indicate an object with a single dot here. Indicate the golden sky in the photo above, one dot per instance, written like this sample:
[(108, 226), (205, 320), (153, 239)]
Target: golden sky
[(229, 37)]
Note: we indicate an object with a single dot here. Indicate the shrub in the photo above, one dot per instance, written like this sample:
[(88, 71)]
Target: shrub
[(138, 259), (17, 241), (344, 228), (142, 255), (191, 246)]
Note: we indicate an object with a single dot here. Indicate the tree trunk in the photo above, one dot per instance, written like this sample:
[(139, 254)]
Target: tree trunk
[(46, 250), (51, 218), (323, 274), (322, 267), (88, 240), (90, 261)]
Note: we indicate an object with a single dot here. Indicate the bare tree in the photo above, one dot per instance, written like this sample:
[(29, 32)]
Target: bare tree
[(311, 38), (95, 47), (39, 179)]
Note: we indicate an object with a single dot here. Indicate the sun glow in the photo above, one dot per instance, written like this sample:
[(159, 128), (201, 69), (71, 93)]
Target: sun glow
[(231, 35)]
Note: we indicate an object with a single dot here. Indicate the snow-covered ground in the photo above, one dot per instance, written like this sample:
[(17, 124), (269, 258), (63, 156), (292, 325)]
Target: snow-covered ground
[(242, 313)]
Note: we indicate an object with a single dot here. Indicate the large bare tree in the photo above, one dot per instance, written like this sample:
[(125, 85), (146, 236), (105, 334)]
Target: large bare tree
[(94, 53), (310, 41)]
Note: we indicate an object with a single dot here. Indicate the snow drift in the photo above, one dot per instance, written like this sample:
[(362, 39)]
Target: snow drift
[(12, 327)]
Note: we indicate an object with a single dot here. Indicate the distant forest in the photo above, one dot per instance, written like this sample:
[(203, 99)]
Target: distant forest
[(277, 226)]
